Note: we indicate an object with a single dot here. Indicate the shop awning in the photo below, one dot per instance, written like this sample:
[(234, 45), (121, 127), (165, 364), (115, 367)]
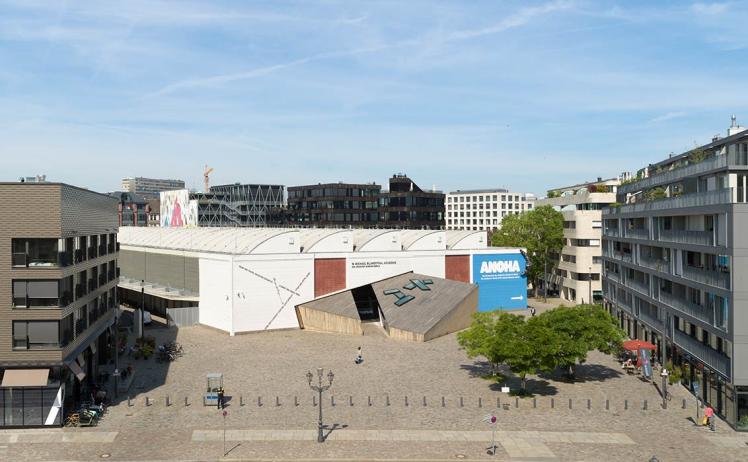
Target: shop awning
[(77, 370), (25, 378)]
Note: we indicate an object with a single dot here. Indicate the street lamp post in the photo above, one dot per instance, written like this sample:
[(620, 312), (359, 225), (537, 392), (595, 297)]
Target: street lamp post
[(142, 308), (319, 388)]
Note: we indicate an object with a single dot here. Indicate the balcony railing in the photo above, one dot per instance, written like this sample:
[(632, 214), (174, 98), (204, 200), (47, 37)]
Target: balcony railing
[(688, 237), (80, 326), (102, 250), (696, 311), (91, 284), (611, 232), (700, 199), (637, 233), (60, 259), (110, 274), (102, 279), (92, 253), (709, 277), (118, 247), (712, 358), (110, 247), (80, 255), (655, 264), (638, 286), (118, 272), (651, 320)]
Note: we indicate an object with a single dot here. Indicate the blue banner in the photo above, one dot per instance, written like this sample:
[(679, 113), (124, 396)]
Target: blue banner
[(501, 281)]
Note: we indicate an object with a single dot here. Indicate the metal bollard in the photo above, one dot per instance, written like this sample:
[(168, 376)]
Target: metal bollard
[(241, 400), (569, 403), (388, 400), (129, 404), (406, 400), (369, 400), (516, 402), (607, 404), (498, 402), (424, 401), (295, 400), (332, 400), (553, 403), (168, 401), (444, 402), (589, 404), (147, 401), (480, 402), (645, 405), (277, 401), (259, 401), (625, 404), (461, 402), (186, 403), (314, 401), (534, 403), (350, 400), (684, 404)]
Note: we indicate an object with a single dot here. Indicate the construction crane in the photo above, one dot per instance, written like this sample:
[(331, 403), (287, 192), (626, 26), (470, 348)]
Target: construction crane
[(206, 178)]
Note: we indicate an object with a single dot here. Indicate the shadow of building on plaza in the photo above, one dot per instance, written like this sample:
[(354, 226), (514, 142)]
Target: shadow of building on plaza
[(145, 375)]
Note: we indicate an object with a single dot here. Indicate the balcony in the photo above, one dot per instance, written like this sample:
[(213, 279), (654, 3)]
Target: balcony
[(91, 285), (655, 264), (80, 256), (80, 290), (689, 308), (611, 232), (110, 247), (700, 199), (102, 250), (110, 275), (708, 277), (80, 326), (712, 358), (688, 237), (650, 320), (102, 279), (57, 259), (640, 233), (118, 247), (92, 253), (638, 286), (118, 272)]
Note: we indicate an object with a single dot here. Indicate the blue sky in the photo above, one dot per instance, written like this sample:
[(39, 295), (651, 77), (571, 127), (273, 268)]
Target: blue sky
[(460, 95)]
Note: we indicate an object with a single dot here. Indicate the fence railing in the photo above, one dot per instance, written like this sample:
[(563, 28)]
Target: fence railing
[(700, 199), (688, 237), (706, 354)]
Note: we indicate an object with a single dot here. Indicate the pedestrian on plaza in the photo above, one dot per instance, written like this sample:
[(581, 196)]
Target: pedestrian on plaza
[(359, 356), (532, 311), (221, 404), (709, 414)]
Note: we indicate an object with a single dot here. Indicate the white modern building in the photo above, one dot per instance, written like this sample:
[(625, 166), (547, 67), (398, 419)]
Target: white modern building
[(150, 186), (483, 209), (576, 274), (252, 279)]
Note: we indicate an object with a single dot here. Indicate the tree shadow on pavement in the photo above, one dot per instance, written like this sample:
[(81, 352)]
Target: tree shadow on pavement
[(583, 373)]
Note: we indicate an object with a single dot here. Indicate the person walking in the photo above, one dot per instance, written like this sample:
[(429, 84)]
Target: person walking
[(221, 404), (532, 311), (359, 356), (709, 414)]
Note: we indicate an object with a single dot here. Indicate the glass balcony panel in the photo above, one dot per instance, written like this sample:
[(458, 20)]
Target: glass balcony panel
[(712, 358)]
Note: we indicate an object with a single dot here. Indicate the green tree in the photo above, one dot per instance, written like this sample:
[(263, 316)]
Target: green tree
[(533, 348), (540, 231), (488, 334), (581, 329)]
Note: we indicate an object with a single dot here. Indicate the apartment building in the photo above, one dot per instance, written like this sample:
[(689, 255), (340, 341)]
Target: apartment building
[(483, 209), (150, 186), (406, 206), (334, 205), (576, 273), (58, 275), (676, 262)]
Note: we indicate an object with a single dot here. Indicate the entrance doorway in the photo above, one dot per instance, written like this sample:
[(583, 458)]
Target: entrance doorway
[(366, 303)]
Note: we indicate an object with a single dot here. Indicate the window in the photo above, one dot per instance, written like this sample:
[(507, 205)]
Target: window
[(42, 252), (42, 292), (30, 335)]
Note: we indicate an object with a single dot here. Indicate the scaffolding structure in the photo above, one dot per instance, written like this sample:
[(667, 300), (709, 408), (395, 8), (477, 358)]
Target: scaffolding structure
[(238, 205)]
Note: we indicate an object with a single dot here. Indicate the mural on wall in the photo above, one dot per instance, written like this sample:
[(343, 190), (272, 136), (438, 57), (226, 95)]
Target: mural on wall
[(502, 284), (177, 210)]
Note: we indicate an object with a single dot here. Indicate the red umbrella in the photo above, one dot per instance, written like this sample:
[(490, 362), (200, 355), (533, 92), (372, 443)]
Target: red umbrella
[(636, 345)]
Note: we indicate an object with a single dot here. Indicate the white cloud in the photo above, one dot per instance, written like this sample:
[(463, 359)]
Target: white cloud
[(711, 9), (668, 116)]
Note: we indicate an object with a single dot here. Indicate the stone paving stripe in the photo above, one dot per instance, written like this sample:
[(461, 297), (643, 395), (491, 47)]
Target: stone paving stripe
[(518, 439), (57, 437), (729, 441)]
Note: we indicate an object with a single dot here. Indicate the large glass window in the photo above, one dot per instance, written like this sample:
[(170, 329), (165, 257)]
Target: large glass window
[(41, 252), (42, 292), (36, 335)]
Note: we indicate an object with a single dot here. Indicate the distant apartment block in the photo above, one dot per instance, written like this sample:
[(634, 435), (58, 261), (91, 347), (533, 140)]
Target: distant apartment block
[(132, 209), (483, 209), (150, 186), (58, 279), (676, 266), (576, 273), (334, 205), (406, 206)]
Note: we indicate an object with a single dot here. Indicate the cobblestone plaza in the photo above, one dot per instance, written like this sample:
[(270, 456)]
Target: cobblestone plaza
[(406, 401)]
